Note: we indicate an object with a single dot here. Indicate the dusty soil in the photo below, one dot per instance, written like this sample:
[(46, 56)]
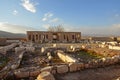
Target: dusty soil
[(107, 73)]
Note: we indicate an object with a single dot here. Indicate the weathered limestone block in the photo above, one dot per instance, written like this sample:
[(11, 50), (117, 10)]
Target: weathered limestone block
[(34, 73), (3, 51), (14, 66), (87, 66), (115, 59), (70, 59), (31, 49), (50, 57), (107, 61), (100, 62), (19, 49), (73, 67), (111, 61), (45, 76), (77, 49), (90, 64), (119, 58), (18, 62), (48, 69), (118, 78), (61, 55), (62, 69), (66, 58), (31, 78), (83, 47), (9, 76), (103, 59), (48, 54), (72, 48), (80, 66), (20, 56), (42, 50), (54, 45), (54, 70), (21, 74), (95, 63)]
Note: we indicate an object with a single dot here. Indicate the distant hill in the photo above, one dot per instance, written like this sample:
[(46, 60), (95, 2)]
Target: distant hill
[(99, 35), (5, 34), (13, 35)]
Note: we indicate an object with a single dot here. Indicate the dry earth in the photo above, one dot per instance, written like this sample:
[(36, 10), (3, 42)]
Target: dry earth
[(107, 73)]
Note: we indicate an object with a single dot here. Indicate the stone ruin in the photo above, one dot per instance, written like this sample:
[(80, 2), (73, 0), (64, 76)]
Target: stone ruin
[(13, 70)]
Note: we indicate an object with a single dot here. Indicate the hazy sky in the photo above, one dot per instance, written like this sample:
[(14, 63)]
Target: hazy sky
[(86, 16)]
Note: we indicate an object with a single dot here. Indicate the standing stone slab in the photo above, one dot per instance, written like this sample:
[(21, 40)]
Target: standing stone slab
[(62, 69), (45, 76)]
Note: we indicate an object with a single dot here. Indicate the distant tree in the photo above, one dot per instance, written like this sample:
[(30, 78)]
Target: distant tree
[(58, 28), (51, 29)]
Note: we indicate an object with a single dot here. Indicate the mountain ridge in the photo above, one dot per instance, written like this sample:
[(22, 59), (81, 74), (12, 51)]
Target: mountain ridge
[(5, 34)]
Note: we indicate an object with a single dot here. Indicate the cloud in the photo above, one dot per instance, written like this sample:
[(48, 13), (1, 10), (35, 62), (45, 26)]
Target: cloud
[(15, 12), (47, 16), (54, 20), (45, 19), (46, 26), (116, 26), (117, 15), (29, 6), (113, 29), (14, 28)]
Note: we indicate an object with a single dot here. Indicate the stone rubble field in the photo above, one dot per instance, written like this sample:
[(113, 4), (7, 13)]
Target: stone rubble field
[(61, 61)]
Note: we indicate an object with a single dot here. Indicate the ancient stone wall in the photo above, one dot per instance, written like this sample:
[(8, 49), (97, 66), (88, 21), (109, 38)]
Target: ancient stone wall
[(42, 36)]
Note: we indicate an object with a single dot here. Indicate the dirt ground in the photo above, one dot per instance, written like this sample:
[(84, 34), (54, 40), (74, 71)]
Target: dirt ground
[(107, 73)]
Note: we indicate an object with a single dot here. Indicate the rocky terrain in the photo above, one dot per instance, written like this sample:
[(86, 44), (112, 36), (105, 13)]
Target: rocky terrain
[(59, 61)]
